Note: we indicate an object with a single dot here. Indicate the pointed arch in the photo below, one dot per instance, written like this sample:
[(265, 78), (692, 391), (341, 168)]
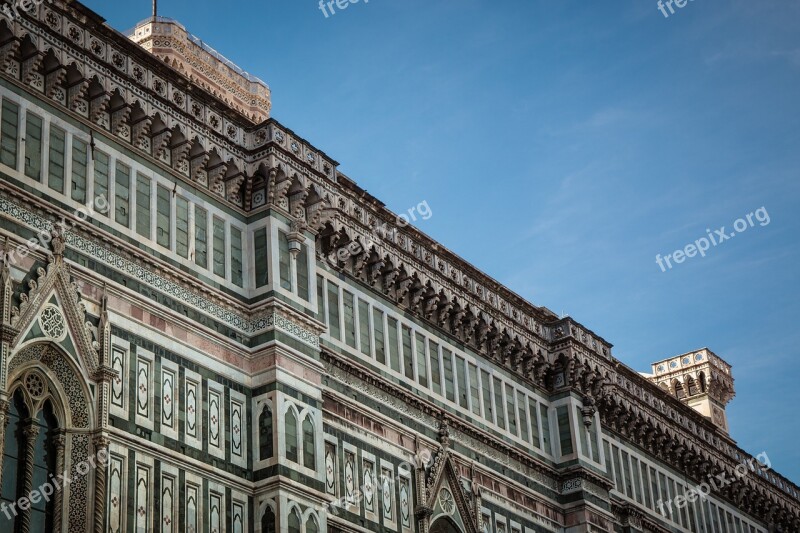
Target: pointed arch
[(70, 313), (66, 384), (27, 48), (293, 520), (677, 389), (309, 442), (444, 524), (290, 419), (691, 386), (32, 445), (268, 524), (444, 474), (312, 526), (265, 433), (44, 464), (13, 456)]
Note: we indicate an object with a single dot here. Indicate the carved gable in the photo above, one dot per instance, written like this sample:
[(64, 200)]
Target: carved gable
[(443, 495), (51, 309)]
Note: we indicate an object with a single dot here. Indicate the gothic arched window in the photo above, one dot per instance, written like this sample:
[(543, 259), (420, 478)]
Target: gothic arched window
[(311, 525), (268, 521), (691, 386), (294, 521), (309, 450), (13, 462), (44, 464), (29, 456), (290, 427), (265, 434)]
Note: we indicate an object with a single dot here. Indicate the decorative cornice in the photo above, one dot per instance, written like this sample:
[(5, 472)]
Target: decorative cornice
[(285, 319)]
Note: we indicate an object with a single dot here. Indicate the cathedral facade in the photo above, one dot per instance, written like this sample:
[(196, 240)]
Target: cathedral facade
[(207, 328)]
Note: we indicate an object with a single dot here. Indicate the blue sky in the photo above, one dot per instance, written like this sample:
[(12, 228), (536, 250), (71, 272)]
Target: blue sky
[(561, 145)]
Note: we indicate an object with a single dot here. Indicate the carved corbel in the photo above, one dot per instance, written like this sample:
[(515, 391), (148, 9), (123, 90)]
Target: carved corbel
[(158, 143), (98, 105), (443, 305), (215, 182), (30, 67), (178, 156), (389, 275), (376, 265), (76, 93), (8, 53), (140, 132), (53, 81), (119, 119)]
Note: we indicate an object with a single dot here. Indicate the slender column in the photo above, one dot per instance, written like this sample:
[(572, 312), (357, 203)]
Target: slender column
[(31, 431), (4, 407), (101, 454), (58, 496)]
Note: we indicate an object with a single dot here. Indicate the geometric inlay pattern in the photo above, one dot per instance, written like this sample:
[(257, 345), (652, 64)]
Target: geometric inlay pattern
[(249, 326), (52, 323)]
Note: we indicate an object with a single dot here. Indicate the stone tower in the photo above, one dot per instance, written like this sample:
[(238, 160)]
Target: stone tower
[(700, 379), (168, 40)]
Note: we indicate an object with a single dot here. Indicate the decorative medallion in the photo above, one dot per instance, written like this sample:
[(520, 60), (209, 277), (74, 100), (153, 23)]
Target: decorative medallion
[(259, 198), (447, 501), (75, 34), (159, 87), (330, 471), (369, 487), (405, 512), (97, 47), (35, 386), (349, 479), (138, 74), (52, 20), (387, 495), (52, 323)]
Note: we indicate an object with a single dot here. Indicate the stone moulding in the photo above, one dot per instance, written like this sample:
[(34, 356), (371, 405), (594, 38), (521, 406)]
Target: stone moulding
[(355, 376), (243, 323)]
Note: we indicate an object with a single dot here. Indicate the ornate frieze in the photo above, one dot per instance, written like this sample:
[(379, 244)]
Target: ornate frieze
[(248, 325)]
